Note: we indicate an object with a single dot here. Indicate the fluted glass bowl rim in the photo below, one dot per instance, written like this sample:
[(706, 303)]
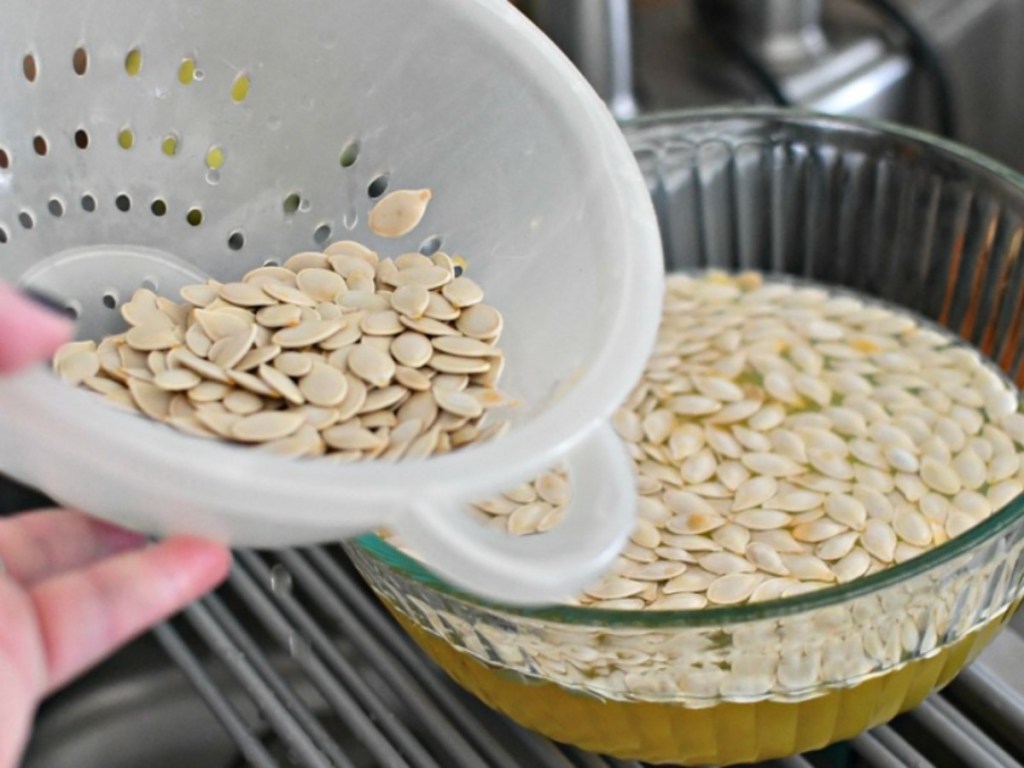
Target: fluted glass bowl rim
[(960, 546)]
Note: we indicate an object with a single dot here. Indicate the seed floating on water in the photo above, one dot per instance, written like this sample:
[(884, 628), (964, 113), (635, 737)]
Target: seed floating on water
[(785, 440)]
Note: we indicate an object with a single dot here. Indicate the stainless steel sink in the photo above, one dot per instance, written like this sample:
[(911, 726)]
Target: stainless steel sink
[(846, 59)]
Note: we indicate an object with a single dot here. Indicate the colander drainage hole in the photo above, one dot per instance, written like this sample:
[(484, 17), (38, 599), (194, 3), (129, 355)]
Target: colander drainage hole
[(292, 202), (88, 203), (133, 62), (56, 207), (28, 66), (349, 154), (240, 88), (431, 245), (271, 263), (378, 186), (169, 146), (3, 235), (321, 234), (236, 241), (5, 160), (150, 284), (158, 207), (81, 138), (123, 203), (110, 299), (80, 61), (39, 145), (194, 216), (26, 220), (187, 71)]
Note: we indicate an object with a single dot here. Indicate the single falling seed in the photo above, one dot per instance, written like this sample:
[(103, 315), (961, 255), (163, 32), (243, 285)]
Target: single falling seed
[(398, 213)]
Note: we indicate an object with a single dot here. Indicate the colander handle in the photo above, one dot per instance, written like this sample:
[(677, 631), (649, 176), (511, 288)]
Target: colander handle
[(548, 567)]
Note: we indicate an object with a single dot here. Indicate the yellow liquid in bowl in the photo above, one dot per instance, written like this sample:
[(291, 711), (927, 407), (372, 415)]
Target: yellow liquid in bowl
[(722, 734)]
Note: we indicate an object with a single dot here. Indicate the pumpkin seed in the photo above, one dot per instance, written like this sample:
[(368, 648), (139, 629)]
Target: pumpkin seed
[(480, 321), (79, 363), (307, 333), (732, 588), (462, 292), (306, 260), (177, 380), (245, 295), (243, 403), (322, 384), (411, 300), (371, 365), (228, 352), (282, 385), (398, 212)]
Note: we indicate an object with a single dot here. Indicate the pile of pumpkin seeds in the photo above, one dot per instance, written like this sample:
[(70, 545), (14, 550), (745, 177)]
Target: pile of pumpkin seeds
[(787, 438), (340, 353)]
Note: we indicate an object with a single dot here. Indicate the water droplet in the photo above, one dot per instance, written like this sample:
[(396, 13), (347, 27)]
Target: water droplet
[(350, 219), (298, 647), (280, 579)]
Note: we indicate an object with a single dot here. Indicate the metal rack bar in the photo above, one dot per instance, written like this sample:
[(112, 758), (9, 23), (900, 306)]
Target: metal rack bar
[(1003, 705), (251, 748), (405, 712), (406, 688), (310, 631), (534, 750), (376, 635), (277, 715), (875, 751), (587, 760), (960, 735), (616, 763), (900, 747), (302, 714), (795, 762), (341, 699)]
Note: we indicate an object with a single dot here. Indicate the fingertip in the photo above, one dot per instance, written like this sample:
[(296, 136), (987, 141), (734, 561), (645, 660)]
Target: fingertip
[(206, 559), (120, 539), (29, 332), (85, 614)]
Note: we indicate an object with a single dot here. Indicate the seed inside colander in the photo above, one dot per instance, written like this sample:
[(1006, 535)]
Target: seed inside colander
[(330, 354)]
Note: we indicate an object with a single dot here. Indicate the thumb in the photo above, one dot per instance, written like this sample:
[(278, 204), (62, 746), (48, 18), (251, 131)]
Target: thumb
[(28, 332)]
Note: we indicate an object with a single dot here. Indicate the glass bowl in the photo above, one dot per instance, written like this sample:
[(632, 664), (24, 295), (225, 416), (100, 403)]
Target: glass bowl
[(897, 214)]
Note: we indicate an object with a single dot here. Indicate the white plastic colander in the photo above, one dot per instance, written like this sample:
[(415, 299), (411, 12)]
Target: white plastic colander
[(153, 144)]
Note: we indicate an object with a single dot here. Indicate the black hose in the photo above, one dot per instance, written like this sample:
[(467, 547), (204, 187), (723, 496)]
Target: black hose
[(719, 28)]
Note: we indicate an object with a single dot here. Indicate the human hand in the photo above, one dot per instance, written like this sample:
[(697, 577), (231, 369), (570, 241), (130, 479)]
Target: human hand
[(72, 588)]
